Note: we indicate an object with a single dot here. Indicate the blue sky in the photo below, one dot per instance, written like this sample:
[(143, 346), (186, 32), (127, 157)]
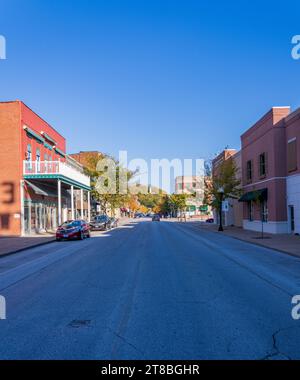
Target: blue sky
[(161, 79)]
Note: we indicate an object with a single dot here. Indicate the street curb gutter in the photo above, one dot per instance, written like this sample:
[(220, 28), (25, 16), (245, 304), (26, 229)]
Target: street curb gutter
[(26, 248), (31, 246), (256, 244)]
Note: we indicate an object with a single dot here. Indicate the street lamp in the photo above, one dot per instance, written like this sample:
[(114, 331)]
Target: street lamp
[(221, 193)]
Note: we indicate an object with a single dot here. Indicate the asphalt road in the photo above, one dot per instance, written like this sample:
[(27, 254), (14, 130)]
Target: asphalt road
[(150, 290)]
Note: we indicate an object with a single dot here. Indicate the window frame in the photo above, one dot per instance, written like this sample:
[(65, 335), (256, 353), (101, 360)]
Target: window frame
[(292, 166), (264, 211), (262, 174), (250, 207), (249, 171)]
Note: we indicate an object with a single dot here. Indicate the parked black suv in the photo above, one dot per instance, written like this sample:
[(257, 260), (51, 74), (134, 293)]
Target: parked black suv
[(100, 223)]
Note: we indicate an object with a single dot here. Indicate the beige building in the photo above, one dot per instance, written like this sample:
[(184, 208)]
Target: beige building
[(193, 185)]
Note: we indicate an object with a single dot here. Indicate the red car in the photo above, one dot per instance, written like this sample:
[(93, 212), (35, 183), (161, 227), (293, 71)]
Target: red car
[(73, 229)]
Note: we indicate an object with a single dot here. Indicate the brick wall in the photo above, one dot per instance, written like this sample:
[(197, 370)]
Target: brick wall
[(10, 169)]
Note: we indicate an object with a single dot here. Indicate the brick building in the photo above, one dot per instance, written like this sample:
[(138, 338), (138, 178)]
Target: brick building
[(264, 164), (87, 158), (38, 179)]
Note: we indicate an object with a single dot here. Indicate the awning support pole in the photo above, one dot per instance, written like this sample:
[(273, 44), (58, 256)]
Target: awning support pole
[(72, 203), (59, 201), (22, 208), (81, 202), (89, 206)]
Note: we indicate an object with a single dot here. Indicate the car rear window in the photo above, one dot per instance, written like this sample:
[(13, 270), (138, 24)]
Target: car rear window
[(75, 223), (101, 218)]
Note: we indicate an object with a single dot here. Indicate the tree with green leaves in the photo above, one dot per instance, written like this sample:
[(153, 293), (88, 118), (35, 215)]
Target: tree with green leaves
[(172, 204), (223, 184), (114, 197), (150, 200)]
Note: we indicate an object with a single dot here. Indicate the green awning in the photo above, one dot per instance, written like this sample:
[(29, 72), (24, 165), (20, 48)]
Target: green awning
[(41, 190), (48, 146), (34, 134), (256, 195), (46, 190), (190, 208), (49, 138), (60, 152)]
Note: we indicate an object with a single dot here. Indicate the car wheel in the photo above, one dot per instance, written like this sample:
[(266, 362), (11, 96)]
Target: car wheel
[(58, 239)]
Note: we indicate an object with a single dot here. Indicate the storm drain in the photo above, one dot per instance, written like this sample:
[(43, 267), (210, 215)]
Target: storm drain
[(77, 323)]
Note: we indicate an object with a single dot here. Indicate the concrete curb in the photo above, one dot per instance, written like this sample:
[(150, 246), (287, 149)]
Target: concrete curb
[(40, 244), (26, 248)]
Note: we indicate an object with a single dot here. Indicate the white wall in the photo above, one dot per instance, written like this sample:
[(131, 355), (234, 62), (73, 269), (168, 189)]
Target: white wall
[(293, 199), (270, 227)]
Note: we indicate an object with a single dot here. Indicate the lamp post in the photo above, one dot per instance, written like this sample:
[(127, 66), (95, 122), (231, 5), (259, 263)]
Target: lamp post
[(221, 193)]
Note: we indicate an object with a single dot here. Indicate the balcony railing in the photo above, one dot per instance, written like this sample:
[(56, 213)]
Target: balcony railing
[(46, 168)]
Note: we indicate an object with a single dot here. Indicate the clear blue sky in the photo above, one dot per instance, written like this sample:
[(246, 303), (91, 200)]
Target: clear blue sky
[(158, 78)]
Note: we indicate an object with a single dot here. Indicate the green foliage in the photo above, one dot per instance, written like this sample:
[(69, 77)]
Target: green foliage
[(172, 204), (225, 177), (150, 200), (107, 200)]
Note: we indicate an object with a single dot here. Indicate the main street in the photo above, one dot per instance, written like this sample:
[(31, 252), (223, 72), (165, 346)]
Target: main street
[(150, 290)]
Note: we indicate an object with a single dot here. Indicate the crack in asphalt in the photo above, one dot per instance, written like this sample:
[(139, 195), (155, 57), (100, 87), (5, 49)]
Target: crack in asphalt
[(275, 348), (125, 341)]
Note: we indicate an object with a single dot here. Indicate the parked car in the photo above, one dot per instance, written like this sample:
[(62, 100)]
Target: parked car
[(73, 229), (210, 220), (114, 222), (156, 218), (139, 215), (100, 223)]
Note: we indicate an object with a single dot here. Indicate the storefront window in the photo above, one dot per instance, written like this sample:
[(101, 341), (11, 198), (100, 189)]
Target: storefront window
[(264, 211), (250, 211), (40, 217)]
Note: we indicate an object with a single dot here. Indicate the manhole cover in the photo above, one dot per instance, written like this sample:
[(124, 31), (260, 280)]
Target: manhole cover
[(77, 323)]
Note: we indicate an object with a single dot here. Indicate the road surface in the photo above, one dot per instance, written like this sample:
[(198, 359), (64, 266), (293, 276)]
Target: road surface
[(150, 290)]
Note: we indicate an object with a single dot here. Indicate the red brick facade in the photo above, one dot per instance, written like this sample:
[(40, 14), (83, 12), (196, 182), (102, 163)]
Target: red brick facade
[(266, 142), (23, 133)]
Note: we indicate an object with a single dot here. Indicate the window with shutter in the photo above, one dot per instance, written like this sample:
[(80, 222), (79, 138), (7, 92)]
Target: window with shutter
[(292, 155)]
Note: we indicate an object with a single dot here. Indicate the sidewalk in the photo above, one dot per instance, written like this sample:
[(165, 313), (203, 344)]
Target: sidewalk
[(281, 242), (14, 244)]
